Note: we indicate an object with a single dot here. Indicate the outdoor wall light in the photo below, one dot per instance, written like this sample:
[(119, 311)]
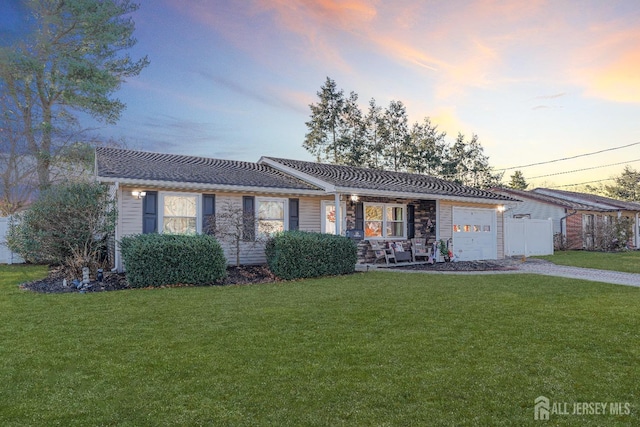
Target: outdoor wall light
[(138, 194), (501, 208), (354, 198)]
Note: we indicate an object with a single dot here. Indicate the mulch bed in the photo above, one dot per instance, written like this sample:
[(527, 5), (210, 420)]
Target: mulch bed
[(462, 266), (53, 283)]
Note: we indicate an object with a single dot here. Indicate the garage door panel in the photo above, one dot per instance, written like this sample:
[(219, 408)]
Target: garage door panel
[(474, 234)]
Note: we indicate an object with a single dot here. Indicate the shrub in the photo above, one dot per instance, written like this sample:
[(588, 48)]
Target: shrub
[(167, 259), (299, 254), (68, 225)]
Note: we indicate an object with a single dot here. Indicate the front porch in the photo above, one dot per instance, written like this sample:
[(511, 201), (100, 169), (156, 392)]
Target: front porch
[(375, 221)]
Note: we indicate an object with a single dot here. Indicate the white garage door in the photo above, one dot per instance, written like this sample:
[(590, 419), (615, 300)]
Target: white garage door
[(474, 234)]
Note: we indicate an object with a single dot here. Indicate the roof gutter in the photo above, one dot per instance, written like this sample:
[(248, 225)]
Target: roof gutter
[(422, 196), (209, 187)]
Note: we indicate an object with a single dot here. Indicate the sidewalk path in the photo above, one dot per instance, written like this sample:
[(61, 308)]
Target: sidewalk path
[(546, 268), (592, 274)]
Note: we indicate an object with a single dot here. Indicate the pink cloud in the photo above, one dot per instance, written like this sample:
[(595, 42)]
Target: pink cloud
[(608, 67)]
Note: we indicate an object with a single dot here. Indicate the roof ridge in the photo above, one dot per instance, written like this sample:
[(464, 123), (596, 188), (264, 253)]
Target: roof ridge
[(164, 156)]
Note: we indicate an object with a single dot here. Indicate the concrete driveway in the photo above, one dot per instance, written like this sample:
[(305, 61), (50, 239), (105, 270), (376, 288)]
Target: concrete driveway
[(546, 268)]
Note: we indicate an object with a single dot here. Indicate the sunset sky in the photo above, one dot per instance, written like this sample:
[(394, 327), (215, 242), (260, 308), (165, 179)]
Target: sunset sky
[(535, 80)]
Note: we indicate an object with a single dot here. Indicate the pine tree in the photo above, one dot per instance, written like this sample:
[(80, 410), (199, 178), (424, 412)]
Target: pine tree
[(517, 181), (427, 147), (322, 139), (374, 130), (627, 186), (352, 133), (395, 136)]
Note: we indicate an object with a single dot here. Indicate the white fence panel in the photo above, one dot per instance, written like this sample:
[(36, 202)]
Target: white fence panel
[(6, 256), (528, 237)]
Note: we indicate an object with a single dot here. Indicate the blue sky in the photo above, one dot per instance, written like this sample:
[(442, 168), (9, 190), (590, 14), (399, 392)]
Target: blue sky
[(536, 80)]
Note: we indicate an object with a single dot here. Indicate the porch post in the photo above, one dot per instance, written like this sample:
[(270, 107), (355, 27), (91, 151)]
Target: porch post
[(338, 214), (636, 231)]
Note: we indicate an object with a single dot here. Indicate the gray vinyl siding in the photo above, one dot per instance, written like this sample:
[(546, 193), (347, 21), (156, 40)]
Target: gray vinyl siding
[(445, 220), (539, 210), (310, 214), (130, 215), (130, 221), (250, 252)]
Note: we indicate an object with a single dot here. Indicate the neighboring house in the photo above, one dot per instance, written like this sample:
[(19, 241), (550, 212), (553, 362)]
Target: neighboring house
[(176, 193), (576, 217)]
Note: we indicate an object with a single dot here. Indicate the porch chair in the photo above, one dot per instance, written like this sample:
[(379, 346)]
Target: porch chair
[(419, 249), (399, 252), (381, 252)]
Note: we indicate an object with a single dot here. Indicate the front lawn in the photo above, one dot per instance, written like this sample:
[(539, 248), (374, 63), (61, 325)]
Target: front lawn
[(628, 261), (379, 348)]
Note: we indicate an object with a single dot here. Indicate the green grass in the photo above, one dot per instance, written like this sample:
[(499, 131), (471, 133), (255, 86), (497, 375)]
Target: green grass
[(628, 262), (378, 348)]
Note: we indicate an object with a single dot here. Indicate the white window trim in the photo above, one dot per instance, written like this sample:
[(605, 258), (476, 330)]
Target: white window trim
[(271, 199), (163, 194), (384, 220), (323, 217)]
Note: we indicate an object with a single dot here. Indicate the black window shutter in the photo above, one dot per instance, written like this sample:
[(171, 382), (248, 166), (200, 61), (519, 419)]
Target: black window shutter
[(294, 214), (411, 221), (249, 212), (359, 216), (208, 213), (150, 212)]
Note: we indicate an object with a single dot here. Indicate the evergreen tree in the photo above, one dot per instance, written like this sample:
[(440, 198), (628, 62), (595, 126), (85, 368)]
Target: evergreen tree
[(374, 130), (467, 164), (396, 136), (338, 133), (352, 134), (326, 116), (427, 148), (517, 181), (627, 186), (73, 61)]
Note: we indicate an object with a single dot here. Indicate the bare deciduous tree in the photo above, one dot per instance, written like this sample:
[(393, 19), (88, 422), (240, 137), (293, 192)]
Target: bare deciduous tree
[(237, 228)]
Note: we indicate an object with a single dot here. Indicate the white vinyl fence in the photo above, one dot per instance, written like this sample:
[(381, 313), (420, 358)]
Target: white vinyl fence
[(6, 256), (528, 237)]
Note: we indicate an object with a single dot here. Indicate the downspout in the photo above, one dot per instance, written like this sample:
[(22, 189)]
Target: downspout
[(564, 218)]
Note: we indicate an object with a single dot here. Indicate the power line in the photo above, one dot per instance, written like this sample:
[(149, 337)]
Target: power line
[(585, 169), (569, 158), (582, 183)]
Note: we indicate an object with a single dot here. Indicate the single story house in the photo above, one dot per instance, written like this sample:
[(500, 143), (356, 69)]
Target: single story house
[(180, 194), (576, 216)]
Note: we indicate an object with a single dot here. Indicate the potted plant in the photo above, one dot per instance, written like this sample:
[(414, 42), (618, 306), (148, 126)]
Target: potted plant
[(444, 250)]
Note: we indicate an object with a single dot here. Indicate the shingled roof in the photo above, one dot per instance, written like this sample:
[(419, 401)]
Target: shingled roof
[(155, 168), (355, 179), (539, 197), (571, 200), (592, 199)]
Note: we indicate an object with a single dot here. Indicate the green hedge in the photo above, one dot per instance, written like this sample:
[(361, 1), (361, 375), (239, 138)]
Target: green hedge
[(166, 259), (298, 254)]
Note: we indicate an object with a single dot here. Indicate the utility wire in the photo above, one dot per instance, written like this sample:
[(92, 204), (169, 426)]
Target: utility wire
[(585, 169), (582, 183), (569, 158)]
